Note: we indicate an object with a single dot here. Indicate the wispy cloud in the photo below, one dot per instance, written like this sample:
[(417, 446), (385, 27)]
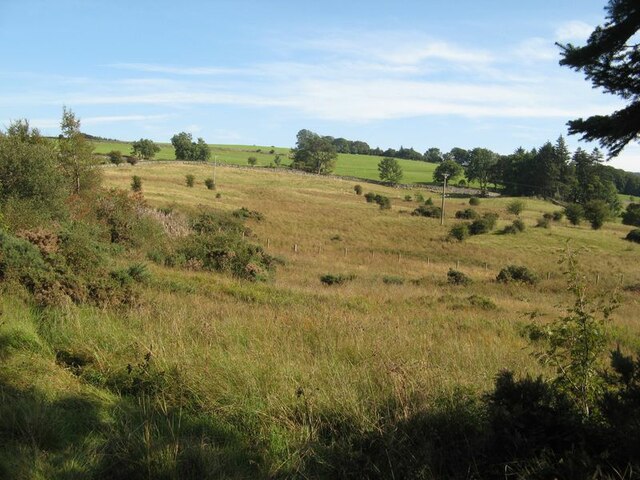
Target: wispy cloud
[(178, 70), (574, 30)]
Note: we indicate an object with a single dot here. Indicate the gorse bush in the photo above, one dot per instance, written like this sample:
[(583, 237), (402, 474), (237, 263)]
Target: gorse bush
[(574, 213), (485, 224), (209, 183), (357, 189), (189, 180), (634, 235), (136, 183), (516, 207), (467, 214), (381, 200), (515, 273), (430, 211), (456, 277), (543, 222), (336, 279), (474, 201), (459, 231)]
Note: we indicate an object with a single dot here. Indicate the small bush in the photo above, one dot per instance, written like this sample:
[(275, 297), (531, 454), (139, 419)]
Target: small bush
[(557, 215), (474, 201), (189, 180), (370, 197), (209, 183), (131, 160), (419, 197), (115, 157), (393, 280), (246, 213), (357, 189), (515, 273), (631, 216), (547, 215), (597, 211), (429, 211), (408, 198), (482, 302), (574, 213), (460, 231), (467, 214), (339, 279), (456, 277), (136, 183), (429, 201), (543, 222), (252, 161), (218, 195), (509, 230), (484, 224), (462, 182), (633, 235), (516, 207), (519, 225), (383, 202)]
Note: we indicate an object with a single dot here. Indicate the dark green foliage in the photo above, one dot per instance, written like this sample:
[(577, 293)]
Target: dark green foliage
[(574, 213), (632, 215), (136, 183), (336, 279), (428, 201), (212, 221), (314, 153), (610, 61), (557, 215), (430, 211), (449, 167), (132, 160), (115, 157), (419, 197), (408, 198), (459, 231), (515, 273), (370, 197), (596, 212), (633, 235), (209, 183), (455, 277), (121, 213), (186, 149), (390, 170), (252, 161), (245, 213), (519, 225), (144, 149), (189, 180), (383, 201), (474, 201), (467, 214), (485, 224), (357, 189), (393, 280), (482, 302)]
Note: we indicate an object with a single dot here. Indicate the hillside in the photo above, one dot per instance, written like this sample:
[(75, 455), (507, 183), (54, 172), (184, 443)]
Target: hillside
[(216, 377), (359, 166)]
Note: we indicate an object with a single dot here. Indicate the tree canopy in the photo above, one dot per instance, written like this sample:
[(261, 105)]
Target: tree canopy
[(449, 167), (187, 149), (314, 153), (611, 61), (390, 170), (144, 149)]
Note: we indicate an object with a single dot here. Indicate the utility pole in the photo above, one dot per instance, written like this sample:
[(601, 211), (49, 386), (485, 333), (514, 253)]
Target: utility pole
[(215, 162), (444, 194)]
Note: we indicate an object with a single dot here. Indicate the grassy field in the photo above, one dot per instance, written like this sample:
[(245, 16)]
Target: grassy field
[(275, 367), (360, 166)]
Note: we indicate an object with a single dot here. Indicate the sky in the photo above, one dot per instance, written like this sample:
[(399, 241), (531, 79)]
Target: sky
[(421, 74)]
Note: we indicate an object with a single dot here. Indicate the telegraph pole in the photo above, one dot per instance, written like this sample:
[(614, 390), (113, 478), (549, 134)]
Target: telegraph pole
[(215, 162), (444, 193)]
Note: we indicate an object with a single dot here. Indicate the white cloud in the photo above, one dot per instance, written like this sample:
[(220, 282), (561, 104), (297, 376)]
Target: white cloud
[(175, 70), (121, 118), (574, 30), (537, 49)]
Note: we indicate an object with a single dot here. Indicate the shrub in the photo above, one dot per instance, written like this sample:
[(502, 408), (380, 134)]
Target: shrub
[(333, 279), (218, 195), (632, 215), (509, 229), (189, 180), (467, 214), (419, 197), (429, 201), (482, 302), (393, 280), (459, 231), (633, 235), (132, 160), (430, 211), (484, 224), (543, 222), (115, 157), (383, 202), (246, 213), (408, 198), (515, 273), (547, 215), (455, 277), (252, 161), (209, 183), (515, 207), (574, 213), (370, 197), (519, 225), (597, 211), (136, 183), (357, 189), (462, 182), (474, 201), (557, 215)]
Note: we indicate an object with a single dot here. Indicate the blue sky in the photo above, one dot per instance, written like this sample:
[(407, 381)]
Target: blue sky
[(413, 73)]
